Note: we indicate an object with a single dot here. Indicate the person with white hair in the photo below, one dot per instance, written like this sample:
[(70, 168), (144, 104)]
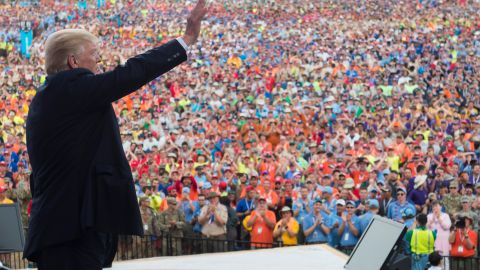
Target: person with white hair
[(81, 182)]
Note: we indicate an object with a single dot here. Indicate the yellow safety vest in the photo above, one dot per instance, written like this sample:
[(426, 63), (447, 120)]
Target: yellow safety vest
[(422, 242)]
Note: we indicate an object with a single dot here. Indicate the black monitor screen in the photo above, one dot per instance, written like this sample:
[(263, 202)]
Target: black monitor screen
[(11, 229)]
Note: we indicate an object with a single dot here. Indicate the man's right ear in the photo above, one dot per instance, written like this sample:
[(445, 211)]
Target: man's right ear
[(72, 62)]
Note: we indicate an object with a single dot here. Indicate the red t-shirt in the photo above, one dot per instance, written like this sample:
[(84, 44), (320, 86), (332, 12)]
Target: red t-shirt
[(459, 247)]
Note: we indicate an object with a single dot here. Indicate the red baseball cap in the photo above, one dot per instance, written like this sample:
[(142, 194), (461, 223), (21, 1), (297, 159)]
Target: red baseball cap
[(222, 185), (248, 188)]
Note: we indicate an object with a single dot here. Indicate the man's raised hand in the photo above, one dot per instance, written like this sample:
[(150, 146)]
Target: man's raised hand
[(194, 22)]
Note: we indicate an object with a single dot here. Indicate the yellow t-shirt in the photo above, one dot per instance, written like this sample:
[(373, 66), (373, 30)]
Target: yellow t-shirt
[(394, 163), (286, 238), (155, 202)]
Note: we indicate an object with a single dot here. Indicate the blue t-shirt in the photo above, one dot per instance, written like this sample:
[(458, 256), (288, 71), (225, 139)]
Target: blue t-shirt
[(395, 210), (189, 213), (347, 238), (334, 238), (317, 235), (197, 227), (364, 220), (244, 205), (301, 205)]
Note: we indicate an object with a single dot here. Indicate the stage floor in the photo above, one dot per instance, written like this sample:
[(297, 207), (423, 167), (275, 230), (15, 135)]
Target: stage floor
[(287, 258)]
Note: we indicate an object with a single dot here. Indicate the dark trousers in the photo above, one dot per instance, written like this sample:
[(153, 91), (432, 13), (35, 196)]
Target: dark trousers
[(92, 251)]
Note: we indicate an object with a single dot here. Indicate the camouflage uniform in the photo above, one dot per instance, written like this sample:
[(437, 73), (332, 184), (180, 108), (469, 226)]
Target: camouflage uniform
[(452, 203), (22, 195), (171, 234), (143, 245)]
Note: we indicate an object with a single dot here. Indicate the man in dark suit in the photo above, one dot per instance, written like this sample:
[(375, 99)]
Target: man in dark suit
[(81, 182)]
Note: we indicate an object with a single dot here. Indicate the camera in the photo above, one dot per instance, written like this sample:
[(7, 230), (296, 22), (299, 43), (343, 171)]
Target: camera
[(460, 223)]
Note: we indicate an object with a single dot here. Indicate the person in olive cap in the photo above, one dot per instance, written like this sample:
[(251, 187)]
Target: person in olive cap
[(213, 218), (171, 223)]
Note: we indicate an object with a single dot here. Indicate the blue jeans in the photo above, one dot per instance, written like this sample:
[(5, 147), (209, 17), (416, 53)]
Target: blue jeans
[(419, 261)]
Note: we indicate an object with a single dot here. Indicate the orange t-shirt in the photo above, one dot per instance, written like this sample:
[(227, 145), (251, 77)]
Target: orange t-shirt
[(460, 241), (260, 232)]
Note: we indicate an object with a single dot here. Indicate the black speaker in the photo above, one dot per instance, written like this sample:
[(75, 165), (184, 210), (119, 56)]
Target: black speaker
[(399, 260)]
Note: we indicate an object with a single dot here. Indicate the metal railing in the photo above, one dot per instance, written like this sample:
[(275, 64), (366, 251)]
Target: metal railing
[(456, 263), (137, 247)]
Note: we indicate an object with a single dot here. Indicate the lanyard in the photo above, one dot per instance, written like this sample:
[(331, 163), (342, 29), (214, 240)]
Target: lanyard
[(461, 237), (249, 206), (475, 180)]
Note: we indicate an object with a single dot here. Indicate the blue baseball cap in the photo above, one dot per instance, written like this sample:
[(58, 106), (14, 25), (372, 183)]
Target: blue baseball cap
[(408, 213), (373, 203), (327, 190)]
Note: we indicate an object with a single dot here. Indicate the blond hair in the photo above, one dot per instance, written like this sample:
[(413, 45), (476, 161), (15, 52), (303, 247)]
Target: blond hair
[(61, 44)]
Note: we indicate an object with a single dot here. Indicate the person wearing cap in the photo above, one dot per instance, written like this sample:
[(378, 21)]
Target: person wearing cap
[(329, 199), (463, 240), (244, 208), (349, 228), (440, 222), (316, 225), (373, 208), (149, 217), (418, 195), (452, 200), (292, 170), (287, 228), (262, 222), (3, 197), (213, 218), (467, 211), (188, 207), (396, 208), (336, 221), (422, 242), (385, 200), (171, 223)]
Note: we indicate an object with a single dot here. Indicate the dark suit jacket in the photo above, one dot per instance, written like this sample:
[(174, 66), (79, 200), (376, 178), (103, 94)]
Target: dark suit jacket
[(81, 178)]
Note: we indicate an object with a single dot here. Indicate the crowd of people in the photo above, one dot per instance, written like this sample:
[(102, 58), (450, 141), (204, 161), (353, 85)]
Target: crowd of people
[(293, 121)]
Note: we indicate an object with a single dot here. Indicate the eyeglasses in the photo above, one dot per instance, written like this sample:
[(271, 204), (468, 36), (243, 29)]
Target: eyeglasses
[(453, 187), (464, 202), (400, 194)]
